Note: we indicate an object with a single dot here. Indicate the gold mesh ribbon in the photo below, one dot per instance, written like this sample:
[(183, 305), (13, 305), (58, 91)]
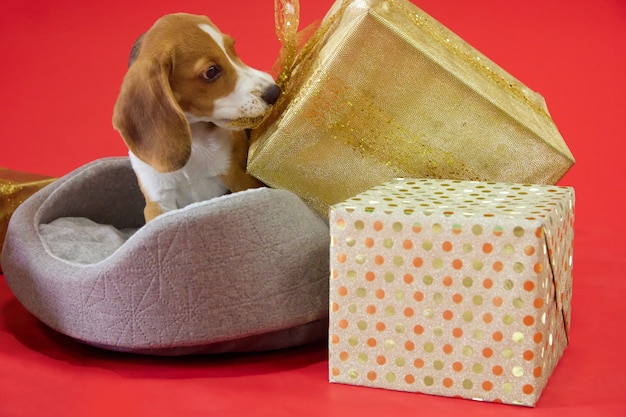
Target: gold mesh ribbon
[(382, 90), (287, 17), (15, 188)]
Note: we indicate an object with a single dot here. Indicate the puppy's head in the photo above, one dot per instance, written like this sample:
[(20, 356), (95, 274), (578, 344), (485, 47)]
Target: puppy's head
[(184, 70)]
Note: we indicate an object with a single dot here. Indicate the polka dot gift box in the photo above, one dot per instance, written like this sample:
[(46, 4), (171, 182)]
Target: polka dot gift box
[(451, 288)]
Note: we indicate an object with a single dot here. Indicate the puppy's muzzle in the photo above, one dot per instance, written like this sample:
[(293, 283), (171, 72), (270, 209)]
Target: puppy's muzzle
[(271, 94)]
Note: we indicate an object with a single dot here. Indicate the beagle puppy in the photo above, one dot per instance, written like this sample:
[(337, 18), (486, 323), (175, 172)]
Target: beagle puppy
[(182, 110)]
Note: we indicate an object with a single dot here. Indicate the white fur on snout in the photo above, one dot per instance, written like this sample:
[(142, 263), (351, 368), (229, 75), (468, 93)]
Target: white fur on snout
[(246, 100)]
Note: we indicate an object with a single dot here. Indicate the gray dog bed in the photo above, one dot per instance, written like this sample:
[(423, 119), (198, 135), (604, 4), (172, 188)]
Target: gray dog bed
[(246, 271)]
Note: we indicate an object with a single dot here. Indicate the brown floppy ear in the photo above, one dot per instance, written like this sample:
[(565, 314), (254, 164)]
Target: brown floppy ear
[(148, 117)]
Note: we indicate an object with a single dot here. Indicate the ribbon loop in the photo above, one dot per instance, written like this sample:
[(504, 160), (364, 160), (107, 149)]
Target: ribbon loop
[(287, 18)]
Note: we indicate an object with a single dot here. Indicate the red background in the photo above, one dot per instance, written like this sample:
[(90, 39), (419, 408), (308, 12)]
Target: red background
[(61, 66)]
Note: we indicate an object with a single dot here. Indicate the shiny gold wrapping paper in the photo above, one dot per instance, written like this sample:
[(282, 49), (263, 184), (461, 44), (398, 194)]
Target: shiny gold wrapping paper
[(15, 188), (451, 288), (381, 90)]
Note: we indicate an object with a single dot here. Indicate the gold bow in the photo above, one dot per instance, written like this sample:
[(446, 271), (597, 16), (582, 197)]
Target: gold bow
[(287, 18)]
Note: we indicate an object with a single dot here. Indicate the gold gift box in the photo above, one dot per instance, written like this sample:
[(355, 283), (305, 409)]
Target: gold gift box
[(451, 288), (15, 188), (382, 90)]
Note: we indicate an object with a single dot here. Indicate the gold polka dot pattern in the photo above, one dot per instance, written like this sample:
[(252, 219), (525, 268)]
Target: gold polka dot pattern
[(453, 288)]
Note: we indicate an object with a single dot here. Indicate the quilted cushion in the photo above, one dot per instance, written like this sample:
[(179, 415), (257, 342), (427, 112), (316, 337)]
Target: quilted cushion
[(246, 271)]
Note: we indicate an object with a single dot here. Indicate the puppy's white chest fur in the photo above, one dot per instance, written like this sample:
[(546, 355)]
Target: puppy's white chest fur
[(199, 179)]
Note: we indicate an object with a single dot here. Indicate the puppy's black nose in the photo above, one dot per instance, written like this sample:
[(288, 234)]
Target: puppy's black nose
[(271, 94)]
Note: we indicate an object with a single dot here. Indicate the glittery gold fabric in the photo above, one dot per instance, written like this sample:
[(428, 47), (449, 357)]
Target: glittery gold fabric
[(381, 90), (15, 188), (451, 288)]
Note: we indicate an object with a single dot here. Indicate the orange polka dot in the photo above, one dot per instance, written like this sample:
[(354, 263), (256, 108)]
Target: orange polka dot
[(497, 370), (538, 303), (457, 298), (529, 250), (379, 260), (447, 349), (407, 244), (487, 318), (343, 324), (418, 330), (418, 296), (418, 363), (487, 248), (380, 326), (447, 281), (418, 262), (409, 379), (457, 332), (539, 232), (529, 355), (334, 307), (447, 382), (457, 264), (498, 266), (378, 226), (371, 342), (409, 346), (370, 309), (341, 258), (343, 356), (408, 278), (416, 228), (487, 386), (334, 339), (370, 276), (448, 315), (498, 301), (380, 293), (497, 336), (381, 360), (369, 242), (342, 291), (371, 375), (537, 372), (334, 273), (487, 352), (446, 246), (538, 337), (409, 312), (488, 283), (528, 389), (335, 371), (457, 366), (529, 320), (538, 268)]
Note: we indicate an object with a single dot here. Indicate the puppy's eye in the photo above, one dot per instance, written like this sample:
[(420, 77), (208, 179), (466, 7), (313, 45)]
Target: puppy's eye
[(212, 73)]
